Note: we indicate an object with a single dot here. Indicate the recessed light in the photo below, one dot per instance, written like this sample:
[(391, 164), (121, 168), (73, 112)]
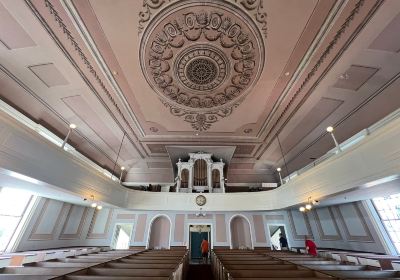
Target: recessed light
[(115, 73), (287, 73), (197, 134), (72, 125)]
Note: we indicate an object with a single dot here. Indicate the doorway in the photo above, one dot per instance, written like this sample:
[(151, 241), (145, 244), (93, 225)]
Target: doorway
[(274, 234), (122, 236), (196, 235)]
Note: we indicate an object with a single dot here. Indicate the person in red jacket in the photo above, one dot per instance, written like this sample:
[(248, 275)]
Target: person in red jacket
[(311, 248)]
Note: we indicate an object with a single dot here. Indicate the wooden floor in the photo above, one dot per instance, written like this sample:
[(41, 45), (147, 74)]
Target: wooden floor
[(200, 272)]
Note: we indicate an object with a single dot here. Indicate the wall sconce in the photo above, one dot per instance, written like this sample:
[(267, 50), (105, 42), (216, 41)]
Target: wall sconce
[(71, 127), (200, 214), (307, 207), (94, 204), (330, 130), (280, 176)]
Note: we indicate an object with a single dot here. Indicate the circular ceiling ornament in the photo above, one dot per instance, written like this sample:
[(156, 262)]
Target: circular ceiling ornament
[(201, 68), (202, 57)]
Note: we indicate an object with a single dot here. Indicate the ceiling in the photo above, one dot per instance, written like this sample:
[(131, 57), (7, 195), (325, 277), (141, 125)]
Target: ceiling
[(139, 78)]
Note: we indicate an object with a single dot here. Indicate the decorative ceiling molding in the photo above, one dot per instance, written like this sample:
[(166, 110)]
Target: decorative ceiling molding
[(254, 7), (89, 66), (300, 95), (201, 60)]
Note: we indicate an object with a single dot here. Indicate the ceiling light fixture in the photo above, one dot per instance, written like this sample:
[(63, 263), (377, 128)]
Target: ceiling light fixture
[(330, 129), (280, 176), (122, 172), (70, 128), (287, 73)]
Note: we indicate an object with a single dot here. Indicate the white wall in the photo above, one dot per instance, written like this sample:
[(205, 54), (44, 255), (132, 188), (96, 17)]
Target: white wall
[(56, 224), (346, 226)]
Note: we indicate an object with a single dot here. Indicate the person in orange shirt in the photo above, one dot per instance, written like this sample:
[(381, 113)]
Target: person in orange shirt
[(204, 250)]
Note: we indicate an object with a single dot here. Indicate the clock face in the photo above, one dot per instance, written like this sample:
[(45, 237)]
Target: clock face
[(201, 200)]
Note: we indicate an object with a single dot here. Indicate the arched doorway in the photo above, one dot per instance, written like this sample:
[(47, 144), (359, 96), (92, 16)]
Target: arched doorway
[(184, 178), (240, 233), (200, 173), (159, 235), (216, 178)]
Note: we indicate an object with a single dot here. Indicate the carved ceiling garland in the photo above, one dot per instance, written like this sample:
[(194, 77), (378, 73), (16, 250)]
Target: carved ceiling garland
[(254, 7), (201, 58)]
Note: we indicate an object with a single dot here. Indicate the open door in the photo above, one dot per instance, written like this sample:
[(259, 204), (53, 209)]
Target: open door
[(197, 233), (275, 232), (122, 236)]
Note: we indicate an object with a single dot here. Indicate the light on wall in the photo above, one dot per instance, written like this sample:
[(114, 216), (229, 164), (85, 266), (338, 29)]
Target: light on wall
[(330, 129), (309, 205), (95, 204)]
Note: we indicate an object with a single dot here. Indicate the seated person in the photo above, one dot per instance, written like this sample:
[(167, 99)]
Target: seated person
[(311, 248), (283, 242)]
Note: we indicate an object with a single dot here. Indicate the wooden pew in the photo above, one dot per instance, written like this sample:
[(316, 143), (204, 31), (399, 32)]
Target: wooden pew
[(150, 265)]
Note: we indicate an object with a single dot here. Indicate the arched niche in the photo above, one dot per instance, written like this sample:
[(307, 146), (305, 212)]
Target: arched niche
[(184, 178), (216, 178), (160, 233), (240, 233), (200, 172)]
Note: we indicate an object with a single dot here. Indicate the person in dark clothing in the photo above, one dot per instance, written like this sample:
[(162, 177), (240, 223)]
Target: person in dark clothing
[(283, 242)]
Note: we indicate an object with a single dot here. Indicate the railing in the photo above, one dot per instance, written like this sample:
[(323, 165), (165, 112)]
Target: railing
[(181, 269), (346, 144), (218, 269), (52, 138)]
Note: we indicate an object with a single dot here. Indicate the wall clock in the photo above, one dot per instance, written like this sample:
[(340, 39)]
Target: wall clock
[(201, 200)]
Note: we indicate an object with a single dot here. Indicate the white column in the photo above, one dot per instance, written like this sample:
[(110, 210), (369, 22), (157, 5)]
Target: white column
[(191, 174), (178, 182), (221, 175), (209, 176)]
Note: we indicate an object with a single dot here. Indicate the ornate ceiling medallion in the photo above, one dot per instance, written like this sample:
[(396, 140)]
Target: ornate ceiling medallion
[(202, 59)]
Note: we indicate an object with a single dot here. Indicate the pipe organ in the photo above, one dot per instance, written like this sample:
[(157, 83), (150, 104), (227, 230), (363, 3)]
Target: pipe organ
[(200, 173)]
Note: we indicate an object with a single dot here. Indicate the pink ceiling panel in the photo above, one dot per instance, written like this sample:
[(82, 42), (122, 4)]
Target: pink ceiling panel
[(159, 165), (322, 109), (241, 166), (83, 110), (12, 35), (355, 77), (48, 74), (386, 41)]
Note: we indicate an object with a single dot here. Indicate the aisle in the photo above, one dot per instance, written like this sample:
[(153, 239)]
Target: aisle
[(200, 272)]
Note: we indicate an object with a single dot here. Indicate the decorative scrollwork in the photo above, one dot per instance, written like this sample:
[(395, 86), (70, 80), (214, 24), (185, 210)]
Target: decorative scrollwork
[(151, 6), (260, 15), (200, 121)]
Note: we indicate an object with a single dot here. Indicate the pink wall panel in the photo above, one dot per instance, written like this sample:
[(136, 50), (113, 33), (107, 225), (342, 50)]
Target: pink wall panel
[(259, 229), (220, 228), (140, 228), (179, 227)]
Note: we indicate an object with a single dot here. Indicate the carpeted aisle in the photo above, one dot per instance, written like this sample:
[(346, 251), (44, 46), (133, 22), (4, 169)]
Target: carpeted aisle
[(199, 272)]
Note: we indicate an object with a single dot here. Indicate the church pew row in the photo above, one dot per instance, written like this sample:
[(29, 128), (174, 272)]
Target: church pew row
[(249, 266), (147, 265), (385, 262), (20, 258), (344, 271), (53, 267)]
